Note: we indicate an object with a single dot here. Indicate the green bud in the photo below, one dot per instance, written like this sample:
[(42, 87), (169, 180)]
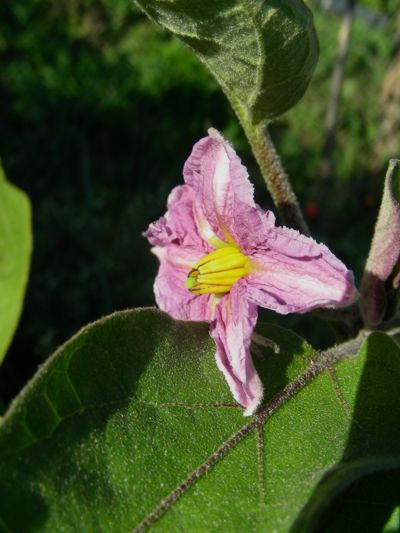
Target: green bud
[(262, 52), (384, 255)]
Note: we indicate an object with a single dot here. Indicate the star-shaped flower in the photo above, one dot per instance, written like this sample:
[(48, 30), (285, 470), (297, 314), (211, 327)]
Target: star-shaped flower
[(221, 256)]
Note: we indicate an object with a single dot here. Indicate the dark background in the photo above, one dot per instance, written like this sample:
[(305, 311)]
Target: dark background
[(99, 109)]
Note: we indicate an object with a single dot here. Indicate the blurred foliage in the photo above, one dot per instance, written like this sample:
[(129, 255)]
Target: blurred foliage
[(389, 6), (99, 109)]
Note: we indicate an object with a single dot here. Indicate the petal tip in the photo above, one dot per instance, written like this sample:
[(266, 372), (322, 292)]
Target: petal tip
[(351, 294), (215, 135), (251, 409)]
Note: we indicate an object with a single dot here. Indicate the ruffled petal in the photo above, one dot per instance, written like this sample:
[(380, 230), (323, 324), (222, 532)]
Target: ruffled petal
[(223, 192), (294, 274), (169, 287), (178, 225), (231, 329)]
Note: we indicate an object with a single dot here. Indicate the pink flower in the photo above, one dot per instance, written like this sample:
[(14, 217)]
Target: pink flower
[(221, 256)]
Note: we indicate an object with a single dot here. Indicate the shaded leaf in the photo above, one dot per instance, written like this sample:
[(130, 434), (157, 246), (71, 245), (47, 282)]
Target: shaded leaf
[(385, 249), (15, 252), (262, 52), (361, 492), (130, 424), (368, 504)]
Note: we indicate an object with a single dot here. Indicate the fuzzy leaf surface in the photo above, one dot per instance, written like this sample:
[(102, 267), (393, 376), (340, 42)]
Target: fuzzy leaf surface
[(130, 425), (262, 52)]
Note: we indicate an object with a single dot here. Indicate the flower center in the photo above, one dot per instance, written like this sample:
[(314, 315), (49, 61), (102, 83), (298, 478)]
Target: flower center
[(218, 271)]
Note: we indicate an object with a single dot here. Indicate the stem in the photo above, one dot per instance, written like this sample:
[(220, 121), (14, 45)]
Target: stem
[(276, 178), (270, 164)]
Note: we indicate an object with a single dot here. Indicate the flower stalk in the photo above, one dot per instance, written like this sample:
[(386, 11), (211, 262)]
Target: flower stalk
[(272, 170), (276, 178)]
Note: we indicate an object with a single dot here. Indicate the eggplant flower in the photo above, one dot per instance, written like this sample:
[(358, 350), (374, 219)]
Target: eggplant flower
[(221, 256)]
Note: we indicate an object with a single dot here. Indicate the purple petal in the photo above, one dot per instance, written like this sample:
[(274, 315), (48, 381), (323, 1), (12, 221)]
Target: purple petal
[(232, 328), (223, 191), (178, 225), (169, 287), (294, 274)]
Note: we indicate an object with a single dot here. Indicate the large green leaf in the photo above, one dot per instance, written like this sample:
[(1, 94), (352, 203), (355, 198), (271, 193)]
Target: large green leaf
[(130, 424), (262, 52), (15, 252)]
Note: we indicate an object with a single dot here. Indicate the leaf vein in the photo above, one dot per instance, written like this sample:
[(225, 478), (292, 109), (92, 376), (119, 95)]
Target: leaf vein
[(261, 467), (192, 406), (338, 392), (73, 388), (330, 356)]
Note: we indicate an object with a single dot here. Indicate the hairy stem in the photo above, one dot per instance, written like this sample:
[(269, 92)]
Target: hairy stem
[(276, 178), (270, 164)]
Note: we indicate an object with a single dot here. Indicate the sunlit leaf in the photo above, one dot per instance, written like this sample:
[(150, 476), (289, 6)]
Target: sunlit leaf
[(393, 523), (15, 252)]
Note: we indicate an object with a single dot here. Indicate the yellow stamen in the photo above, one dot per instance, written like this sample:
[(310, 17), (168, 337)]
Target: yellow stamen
[(216, 272)]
